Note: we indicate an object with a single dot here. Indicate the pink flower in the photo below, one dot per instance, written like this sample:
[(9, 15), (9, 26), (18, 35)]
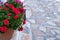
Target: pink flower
[(17, 0), (21, 3), (1, 2)]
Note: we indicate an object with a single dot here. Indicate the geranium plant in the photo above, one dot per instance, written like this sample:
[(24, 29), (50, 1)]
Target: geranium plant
[(11, 15)]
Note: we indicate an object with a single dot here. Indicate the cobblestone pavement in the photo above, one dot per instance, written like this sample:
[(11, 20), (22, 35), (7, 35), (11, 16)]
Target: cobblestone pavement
[(43, 20)]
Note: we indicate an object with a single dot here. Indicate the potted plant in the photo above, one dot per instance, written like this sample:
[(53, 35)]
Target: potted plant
[(11, 18)]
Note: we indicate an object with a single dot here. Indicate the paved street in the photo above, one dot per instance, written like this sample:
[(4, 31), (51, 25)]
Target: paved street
[(43, 20)]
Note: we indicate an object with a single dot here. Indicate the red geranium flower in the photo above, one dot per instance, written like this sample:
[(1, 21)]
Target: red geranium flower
[(9, 14), (24, 21), (11, 6), (3, 29), (20, 29), (15, 17), (5, 9), (6, 22), (16, 11), (21, 9)]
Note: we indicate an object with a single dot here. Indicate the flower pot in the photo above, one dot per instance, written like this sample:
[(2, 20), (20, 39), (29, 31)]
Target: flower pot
[(7, 35)]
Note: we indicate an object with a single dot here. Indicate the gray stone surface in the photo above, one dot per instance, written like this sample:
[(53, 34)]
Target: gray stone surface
[(44, 19)]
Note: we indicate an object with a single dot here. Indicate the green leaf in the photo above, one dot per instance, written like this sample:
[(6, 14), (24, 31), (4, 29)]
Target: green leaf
[(1, 23)]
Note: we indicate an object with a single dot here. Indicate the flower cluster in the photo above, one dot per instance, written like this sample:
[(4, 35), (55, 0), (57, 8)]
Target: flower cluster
[(11, 16)]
